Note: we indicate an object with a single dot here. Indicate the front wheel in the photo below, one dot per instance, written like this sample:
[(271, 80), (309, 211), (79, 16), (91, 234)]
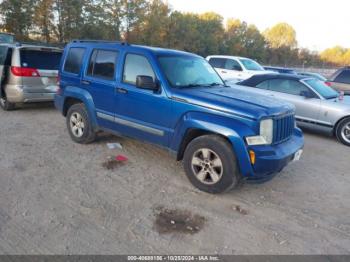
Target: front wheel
[(79, 124), (210, 164), (343, 131)]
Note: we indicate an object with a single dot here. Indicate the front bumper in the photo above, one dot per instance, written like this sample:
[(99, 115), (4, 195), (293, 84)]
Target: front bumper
[(270, 160)]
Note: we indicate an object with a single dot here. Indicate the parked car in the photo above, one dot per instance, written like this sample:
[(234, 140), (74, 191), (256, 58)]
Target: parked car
[(7, 38), (28, 74), (176, 100), (315, 75), (317, 105), (234, 67), (340, 80), (280, 70)]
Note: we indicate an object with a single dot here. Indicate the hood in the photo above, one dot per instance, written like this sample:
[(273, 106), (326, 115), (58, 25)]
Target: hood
[(236, 101), (345, 100)]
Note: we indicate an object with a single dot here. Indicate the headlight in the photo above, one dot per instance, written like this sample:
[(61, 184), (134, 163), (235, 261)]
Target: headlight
[(266, 134), (266, 130)]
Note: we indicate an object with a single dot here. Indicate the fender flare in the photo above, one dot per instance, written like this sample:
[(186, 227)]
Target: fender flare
[(233, 130), (86, 98)]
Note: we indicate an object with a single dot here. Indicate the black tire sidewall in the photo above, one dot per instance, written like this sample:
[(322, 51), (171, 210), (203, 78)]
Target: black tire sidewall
[(7, 106), (88, 134), (340, 126), (224, 150)]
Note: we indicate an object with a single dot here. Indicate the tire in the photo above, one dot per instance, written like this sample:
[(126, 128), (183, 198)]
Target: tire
[(79, 124), (5, 104), (202, 160), (343, 131)]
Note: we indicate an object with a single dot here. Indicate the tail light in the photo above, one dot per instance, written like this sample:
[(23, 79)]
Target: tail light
[(328, 83), (25, 72)]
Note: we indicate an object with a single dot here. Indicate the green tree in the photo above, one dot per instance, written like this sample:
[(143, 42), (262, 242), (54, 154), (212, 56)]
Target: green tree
[(17, 16), (44, 19), (281, 35), (244, 40)]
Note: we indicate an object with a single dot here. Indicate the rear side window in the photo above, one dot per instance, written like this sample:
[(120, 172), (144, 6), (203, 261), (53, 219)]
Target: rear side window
[(103, 64), (74, 60), (136, 65), (233, 65), (40, 59), (217, 62), (343, 77)]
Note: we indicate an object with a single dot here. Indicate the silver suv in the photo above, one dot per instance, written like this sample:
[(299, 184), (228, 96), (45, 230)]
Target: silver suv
[(28, 73)]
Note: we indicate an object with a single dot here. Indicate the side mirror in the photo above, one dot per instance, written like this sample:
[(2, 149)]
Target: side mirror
[(146, 82), (307, 94)]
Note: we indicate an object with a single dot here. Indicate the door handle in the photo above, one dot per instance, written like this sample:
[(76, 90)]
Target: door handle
[(85, 82), (224, 72), (122, 91)]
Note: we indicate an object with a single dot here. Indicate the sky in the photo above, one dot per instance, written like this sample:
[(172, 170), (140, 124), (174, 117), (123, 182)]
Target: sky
[(318, 24)]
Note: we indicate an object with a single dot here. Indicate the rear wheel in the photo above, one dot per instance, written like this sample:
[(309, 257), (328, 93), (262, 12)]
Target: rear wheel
[(79, 124), (5, 104), (210, 164), (343, 131)]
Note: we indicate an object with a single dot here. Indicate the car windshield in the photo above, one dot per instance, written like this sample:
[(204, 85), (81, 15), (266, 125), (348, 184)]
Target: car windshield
[(189, 71), (321, 88), (41, 59), (251, 65)]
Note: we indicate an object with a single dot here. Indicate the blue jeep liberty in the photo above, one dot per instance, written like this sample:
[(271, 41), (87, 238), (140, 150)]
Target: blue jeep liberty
[(176, 100)]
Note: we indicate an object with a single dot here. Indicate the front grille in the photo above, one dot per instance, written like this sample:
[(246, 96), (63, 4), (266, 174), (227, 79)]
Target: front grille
[(283, 128)]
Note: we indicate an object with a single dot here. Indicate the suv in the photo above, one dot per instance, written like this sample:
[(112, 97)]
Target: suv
[(340, 80), (176, 100), (235, 67), (28, 73)]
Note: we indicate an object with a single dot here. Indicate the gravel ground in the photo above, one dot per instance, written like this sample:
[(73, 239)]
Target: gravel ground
[(57, 197)]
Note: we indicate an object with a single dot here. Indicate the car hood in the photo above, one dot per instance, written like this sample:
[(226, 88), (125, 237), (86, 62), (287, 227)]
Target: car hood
[(235, 101), (345, 100)]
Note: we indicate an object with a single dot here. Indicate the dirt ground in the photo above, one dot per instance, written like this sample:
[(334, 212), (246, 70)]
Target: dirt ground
[(57, 197)]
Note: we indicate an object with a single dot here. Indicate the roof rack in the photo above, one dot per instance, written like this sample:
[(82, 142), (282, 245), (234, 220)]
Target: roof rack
[(39, 44), (99, 41)]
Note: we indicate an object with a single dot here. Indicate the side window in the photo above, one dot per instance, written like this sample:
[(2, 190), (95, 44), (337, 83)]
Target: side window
[(343, 77), (74, 60), (232, 65), (134, 66), (102, 64), (287, 86), (217, 62), (263, 85)]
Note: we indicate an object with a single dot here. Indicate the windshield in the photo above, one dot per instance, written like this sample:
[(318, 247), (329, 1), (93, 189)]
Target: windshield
[(251, 65), (321, 88), (189, 71)]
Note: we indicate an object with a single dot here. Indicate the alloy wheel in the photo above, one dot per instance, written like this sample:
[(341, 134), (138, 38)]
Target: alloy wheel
[(77, 124), (207, 166)]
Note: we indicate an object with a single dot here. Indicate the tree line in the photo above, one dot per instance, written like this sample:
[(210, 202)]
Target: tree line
[(154, 22)]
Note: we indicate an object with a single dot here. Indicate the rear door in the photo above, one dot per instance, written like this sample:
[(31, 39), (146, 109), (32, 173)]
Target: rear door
[(100, 80), (342, 81), (3, 54), (39, 68), (5, 62)]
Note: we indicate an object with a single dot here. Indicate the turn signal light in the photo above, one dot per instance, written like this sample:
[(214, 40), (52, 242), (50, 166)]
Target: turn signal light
[(252, 156)]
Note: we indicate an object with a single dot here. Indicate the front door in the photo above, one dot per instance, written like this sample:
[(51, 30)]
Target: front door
[(141, 113), (307, 109)]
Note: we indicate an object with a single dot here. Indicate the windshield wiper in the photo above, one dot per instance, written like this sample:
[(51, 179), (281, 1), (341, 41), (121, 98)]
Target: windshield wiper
[(190, 85)]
